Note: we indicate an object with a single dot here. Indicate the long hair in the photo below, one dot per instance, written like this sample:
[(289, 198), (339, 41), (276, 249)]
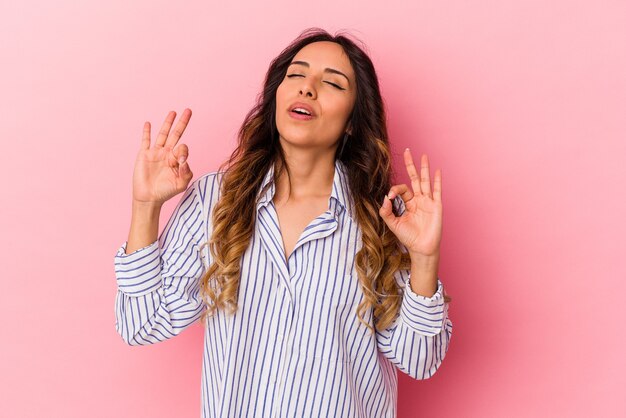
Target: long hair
[(366, 156)]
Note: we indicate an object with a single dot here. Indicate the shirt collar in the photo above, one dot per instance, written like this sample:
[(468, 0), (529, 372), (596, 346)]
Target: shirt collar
[(340, 198)]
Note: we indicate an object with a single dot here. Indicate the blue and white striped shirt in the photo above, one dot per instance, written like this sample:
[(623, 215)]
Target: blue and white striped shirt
[(295, 346)]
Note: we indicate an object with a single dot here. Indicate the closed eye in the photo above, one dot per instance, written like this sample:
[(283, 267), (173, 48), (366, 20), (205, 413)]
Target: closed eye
[(335, 85), (332, 84)]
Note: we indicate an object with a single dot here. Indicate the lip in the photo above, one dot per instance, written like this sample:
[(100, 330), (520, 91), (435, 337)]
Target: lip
[(298, 115)]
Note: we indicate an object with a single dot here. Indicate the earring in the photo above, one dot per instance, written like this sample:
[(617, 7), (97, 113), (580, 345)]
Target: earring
[(343, 144)]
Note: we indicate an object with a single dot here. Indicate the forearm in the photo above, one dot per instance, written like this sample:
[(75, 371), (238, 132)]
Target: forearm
[(424, 274), (418, 341), (144, 226)]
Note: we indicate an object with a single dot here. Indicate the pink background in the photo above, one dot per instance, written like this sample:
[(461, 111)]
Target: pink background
[(521, 103)]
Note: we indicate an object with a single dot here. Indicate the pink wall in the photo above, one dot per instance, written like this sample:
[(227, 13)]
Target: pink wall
[(521, 103)]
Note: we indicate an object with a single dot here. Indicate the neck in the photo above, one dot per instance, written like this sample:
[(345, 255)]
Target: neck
[(311, 177)]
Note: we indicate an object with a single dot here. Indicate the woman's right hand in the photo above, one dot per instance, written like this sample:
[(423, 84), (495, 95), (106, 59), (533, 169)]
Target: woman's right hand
[(162, 171)]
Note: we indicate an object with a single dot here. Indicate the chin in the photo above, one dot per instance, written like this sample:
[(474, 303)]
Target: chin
[(294, 134), (301, 135)]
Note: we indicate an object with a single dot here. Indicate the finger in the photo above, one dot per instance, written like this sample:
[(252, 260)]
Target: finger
[(165, 129), (387, 214), (145, 139), (437, 186), (179, 129), (174, 157), (425, 176), (181, 153), (402, 190), (410, 168)]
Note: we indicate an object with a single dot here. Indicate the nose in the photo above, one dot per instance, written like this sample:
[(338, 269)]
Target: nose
[(307, 90)]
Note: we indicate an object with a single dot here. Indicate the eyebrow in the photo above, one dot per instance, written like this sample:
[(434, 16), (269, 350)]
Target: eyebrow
[(326, 70)]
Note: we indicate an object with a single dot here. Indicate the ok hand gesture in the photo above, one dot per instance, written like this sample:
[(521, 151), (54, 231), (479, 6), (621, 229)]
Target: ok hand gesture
[(162, 171), (419, 227)]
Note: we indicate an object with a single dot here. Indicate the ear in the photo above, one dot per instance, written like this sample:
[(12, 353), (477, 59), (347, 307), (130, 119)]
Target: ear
[(349, 128)]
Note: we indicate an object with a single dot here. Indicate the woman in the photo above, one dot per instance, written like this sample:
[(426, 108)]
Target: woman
[(312, 284)]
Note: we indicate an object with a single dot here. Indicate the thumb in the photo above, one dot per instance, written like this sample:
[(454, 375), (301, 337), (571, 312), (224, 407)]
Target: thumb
[(184, 176), (185, 171)]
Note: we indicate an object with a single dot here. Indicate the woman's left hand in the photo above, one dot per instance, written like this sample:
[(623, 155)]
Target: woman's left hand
[(419, 227)]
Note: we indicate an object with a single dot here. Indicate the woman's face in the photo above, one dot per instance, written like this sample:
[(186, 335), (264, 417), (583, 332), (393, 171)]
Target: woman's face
[(320, 81)]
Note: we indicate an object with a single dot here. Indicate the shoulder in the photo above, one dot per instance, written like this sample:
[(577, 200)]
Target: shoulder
[(207, 183), (207, 188)]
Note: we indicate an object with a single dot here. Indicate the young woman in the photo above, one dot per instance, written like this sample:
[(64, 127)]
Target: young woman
[(314, 277)]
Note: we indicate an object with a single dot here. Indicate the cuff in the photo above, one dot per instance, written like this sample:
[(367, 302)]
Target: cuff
[(422, 314), (138, 273)]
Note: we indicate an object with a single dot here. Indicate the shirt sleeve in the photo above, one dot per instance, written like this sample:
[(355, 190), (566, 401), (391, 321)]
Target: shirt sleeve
[(418, 340), (158, 285)]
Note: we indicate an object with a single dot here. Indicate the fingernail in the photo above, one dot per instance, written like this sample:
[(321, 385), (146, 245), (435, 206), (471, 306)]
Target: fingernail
[(181, 160)]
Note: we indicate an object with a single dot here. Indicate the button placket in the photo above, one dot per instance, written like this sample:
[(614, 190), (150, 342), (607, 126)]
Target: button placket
[(284, 351), (281, 295)]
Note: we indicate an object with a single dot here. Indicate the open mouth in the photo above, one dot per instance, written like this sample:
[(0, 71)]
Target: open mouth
[(300, 113)]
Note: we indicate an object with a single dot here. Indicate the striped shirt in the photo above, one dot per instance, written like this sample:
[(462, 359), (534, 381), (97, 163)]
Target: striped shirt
[(295, 346)]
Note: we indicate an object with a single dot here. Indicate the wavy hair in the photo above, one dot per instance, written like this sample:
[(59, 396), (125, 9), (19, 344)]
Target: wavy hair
[(366, 155)]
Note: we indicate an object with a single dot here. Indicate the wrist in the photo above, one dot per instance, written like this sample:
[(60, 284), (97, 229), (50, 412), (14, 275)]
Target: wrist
[(146, 206), (145, 212), (425, 262)]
